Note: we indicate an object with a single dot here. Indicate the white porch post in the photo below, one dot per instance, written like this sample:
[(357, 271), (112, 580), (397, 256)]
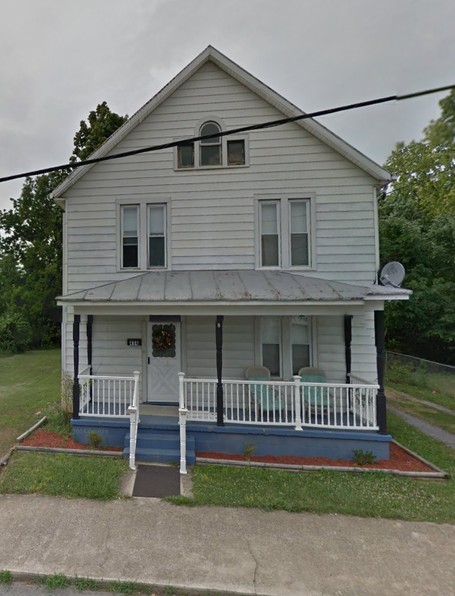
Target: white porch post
[(297, 403), (182, 423), (134, 419)]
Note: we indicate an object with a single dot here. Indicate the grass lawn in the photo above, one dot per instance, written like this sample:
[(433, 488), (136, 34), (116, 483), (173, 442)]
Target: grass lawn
[(63, 475), (28, 382), (371, 494)]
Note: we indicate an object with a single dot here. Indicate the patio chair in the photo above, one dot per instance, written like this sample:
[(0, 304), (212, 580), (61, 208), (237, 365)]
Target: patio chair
[(316, 398), (264, 395)]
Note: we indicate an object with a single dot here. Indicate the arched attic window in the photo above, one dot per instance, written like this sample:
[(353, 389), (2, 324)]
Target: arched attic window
[(217, 151), (210, 149)]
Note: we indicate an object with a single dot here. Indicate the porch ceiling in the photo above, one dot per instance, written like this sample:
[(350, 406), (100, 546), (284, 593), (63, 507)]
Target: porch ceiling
[(239, 287)]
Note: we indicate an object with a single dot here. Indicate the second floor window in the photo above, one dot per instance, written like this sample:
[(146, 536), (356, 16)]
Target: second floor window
[(157, 235), (143, 236), (284, 233), (130, 236), (270, 237)]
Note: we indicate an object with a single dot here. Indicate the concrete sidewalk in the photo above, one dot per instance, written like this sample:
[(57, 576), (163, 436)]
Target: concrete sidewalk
[(228, 550)]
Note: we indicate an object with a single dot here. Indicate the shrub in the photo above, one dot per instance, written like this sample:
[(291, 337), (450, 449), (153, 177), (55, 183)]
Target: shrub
[(15, 333), (362, 458)]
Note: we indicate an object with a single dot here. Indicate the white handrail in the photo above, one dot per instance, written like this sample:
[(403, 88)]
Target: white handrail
[(133, 411), (183, 412)]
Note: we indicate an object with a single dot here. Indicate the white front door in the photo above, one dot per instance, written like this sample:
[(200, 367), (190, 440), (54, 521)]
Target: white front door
[(164, 362)]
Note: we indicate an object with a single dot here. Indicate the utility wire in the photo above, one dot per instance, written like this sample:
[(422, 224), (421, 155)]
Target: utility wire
[(270, 124)]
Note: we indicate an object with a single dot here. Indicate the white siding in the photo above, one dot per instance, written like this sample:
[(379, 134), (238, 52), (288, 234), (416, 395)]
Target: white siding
[(238, 346), (212, 211), (331, 351), (330, 347), (363, 347)]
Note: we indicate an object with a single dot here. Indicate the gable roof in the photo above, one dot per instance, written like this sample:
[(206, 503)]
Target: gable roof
[(210, 54)]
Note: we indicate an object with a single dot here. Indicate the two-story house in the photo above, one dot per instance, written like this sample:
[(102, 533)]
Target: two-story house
[(241, 261)]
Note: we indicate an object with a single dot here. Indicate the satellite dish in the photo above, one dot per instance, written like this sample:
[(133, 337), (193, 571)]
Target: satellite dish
[(392, 274)]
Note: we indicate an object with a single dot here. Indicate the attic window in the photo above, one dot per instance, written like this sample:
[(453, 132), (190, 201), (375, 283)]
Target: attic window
[(215, 152), (210, 149)]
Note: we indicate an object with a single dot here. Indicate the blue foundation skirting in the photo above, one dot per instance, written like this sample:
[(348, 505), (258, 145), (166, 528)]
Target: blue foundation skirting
[(234, 439), (279, 441)]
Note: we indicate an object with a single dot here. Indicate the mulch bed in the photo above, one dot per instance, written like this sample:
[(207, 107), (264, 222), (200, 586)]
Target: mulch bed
[(399, 460), (48, 438)]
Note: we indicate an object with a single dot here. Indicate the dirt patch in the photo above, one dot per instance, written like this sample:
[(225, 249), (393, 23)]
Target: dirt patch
[(49, 438), (399, 460)]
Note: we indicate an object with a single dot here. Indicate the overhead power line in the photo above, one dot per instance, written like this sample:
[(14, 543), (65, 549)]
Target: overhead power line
[(270, 124)]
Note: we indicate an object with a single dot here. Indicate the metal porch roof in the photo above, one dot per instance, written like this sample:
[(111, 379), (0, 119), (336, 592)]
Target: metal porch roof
[(239, 286)]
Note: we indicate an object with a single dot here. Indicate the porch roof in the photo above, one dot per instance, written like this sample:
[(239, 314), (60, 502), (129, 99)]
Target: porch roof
[(239, 287)]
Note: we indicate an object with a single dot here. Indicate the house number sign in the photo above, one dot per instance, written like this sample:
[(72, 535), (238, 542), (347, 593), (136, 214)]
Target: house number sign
[(134, 342)]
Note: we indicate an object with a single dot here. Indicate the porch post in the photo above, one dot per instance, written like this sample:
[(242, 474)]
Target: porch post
[(381, 411), (76, 324), (347, 345), (89, 342), (219, 371)]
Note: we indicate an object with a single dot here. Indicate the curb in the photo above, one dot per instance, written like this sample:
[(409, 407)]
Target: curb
[(436, 474), (105, 583), (106, 453)]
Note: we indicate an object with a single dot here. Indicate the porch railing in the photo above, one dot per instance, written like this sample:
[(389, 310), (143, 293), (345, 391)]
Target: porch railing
[(116, 397), (284, 403), (105, 395)]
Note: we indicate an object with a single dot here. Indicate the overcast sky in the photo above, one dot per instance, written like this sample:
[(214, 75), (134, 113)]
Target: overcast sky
[(59, 59)]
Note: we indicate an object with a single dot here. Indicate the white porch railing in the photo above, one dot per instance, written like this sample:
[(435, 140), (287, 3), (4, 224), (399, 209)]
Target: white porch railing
[(284, 403), (315, 405), (105, 395), (116, 397)]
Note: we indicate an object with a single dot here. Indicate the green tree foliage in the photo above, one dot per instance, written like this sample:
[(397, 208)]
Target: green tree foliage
[(101, 124), (417, 225), (31, 247)]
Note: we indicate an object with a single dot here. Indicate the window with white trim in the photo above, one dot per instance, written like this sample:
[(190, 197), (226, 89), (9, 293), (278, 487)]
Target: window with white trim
[(218, 151), (156, 236), (210, 149), (284, 233), (300, 343), (285, 344), (130, 236), (270, 233), (143, 236), (271, 345), (299, 252)]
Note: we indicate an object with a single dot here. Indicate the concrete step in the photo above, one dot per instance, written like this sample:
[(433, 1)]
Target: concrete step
[(153, 446)]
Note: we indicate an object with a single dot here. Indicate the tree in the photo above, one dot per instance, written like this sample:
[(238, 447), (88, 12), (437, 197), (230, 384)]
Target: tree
[(101, 124), (31, 242), (417, 227)]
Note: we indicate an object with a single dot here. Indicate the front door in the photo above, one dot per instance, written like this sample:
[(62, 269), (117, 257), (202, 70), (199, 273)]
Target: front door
[(164, 362)]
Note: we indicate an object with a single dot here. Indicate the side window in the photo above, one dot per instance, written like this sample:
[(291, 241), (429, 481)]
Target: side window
[(300, 343), (271, 344), (210, 149), (236, 152), (299, 236), (156, 235), (269, 233), (185, 156), (130, 236)]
